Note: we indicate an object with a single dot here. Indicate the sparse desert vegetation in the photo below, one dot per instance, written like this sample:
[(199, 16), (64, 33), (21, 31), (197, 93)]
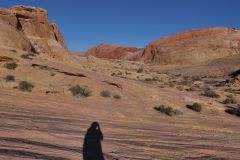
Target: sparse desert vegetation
[(140, 70), (197, 107), (11, 66), (28, 56), (80, 91), (9, 78), (117, 96), (230, 100), (105, 94), (210, 93), (168, 110), (25, 86)]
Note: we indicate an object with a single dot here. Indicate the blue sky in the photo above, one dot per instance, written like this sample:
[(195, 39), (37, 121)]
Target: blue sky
[(85, 23)]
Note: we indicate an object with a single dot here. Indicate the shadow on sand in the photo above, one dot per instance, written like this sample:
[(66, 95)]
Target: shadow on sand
[(92, 149)]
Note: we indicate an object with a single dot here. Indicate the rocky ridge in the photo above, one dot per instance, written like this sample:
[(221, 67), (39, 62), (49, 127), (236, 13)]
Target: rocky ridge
[(33, 22)]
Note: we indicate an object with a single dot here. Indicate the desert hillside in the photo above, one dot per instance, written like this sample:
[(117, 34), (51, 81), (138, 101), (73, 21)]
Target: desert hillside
[(194, 46), (113, 52), (49, 97), (189, 47)]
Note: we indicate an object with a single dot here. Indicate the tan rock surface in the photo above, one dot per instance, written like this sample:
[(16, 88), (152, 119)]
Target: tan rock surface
[(12, 38), (50, 123), (194, 46)]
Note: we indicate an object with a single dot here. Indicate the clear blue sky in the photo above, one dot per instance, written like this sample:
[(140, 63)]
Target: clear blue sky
[(85, 23)]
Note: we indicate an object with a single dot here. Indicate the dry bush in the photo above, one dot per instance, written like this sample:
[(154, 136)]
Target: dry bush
[(105, 94), (80, 91)]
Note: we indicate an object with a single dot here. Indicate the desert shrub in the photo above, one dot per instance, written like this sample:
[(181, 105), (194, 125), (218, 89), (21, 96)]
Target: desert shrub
[(233, 111), (13, 50), (162, 86), (148, 79), (29, 55), (210, 93), (26, 56), (9, 78), (11, 66), (230, 100), (105, 94), (25, 86), (114, 74), (151, 80), (171, 85), (140, 70), (80, 91), (119, 73), (185, 82), (168, 110), (180, 88), (195, 107), (117, 96), (192, 88)]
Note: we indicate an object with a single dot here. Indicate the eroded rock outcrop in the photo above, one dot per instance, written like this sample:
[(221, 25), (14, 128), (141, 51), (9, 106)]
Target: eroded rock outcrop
[(113, 52), (12, 38), (194, 46), (34, 24)]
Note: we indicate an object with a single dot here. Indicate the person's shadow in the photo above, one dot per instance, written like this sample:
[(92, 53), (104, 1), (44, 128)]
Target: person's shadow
[(92, 149)]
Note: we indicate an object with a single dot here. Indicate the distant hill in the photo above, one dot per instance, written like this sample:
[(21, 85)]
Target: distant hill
[(113, 52), (189, 47)]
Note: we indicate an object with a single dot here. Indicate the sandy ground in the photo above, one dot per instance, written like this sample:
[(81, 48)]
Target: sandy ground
[(37, 125)]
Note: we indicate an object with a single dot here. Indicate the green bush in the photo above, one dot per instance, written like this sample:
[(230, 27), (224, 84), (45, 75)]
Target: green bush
[(195, 107), (80, 91), (11, 66), (105, 94), (25, 86), (210, 93), (9, 78), (230, 100), (168, 110), (117, 96)]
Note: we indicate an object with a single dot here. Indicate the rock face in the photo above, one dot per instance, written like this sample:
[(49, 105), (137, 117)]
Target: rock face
[(12, 38), (34, 24), (113, 52), (193, 46)]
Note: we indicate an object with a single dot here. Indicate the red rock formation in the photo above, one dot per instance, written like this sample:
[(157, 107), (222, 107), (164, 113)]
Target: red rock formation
[(112, 52), (33, 22), (12, 38), (193, 46)]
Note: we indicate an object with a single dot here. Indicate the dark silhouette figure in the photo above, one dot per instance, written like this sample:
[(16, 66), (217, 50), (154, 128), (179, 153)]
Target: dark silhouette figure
[(92, 149)]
